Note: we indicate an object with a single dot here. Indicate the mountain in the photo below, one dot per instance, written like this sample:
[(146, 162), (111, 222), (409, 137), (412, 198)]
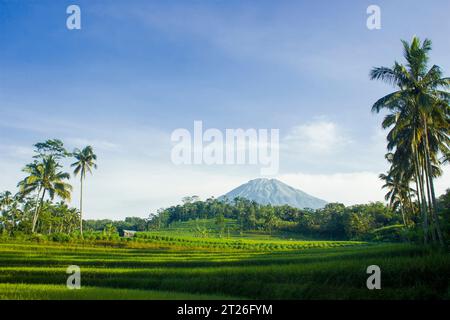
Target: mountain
[(274, 192)]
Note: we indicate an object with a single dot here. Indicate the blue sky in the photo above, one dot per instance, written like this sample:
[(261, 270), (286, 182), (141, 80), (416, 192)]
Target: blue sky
[(137, 70)]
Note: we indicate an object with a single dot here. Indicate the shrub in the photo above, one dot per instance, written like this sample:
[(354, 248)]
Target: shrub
[(34, 237), (59, 237)]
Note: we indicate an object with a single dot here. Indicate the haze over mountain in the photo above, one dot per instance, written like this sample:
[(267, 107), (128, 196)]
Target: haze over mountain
[(274, 192)]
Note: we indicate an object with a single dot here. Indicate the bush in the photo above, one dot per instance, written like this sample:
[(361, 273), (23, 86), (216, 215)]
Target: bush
[(59, 237), (414, 235), (36, 237)]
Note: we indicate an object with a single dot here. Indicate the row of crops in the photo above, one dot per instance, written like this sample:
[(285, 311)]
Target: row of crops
[(245, 244)]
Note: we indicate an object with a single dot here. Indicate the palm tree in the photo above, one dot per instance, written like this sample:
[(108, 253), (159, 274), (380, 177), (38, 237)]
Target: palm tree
[(85, 162), (6, 199), (45, 177), (71, 219), (419, 114), (399, 193)]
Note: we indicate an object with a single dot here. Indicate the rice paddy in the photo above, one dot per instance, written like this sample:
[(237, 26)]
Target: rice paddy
[(176, 269)]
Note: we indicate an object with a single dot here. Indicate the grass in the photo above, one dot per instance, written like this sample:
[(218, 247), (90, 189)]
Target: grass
[(163, 271), (59, 292)]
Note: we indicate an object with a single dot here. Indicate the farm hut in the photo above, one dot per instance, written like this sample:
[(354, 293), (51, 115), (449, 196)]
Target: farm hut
[(129, 233)]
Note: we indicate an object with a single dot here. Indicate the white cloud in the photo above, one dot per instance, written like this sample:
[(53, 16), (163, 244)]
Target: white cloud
[(317, 137), (99, 144), (13, 151), (347, 188), (143, 186)]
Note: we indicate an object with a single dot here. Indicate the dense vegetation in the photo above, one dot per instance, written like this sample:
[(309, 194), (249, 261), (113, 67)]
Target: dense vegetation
[(335, 221)]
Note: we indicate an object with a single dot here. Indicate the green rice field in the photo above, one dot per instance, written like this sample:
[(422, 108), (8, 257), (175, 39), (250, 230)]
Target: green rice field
[(180, 268)]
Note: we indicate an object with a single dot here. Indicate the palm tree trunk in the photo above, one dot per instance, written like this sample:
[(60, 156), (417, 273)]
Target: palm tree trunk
[(409, 207), (417, 191), (431, 184), (38, 207), (13, 223), (424, 202), (430, 207), (81, 206), (421, 196), (403, 215)]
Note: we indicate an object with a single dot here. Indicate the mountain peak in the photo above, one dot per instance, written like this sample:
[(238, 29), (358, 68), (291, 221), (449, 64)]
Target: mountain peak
[(274, 192)]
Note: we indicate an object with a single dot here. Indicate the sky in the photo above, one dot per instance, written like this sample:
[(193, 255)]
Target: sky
[(138, 70)]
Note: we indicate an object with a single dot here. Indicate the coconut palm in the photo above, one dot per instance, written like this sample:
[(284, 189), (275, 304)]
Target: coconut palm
[(399, 193), (419, 117), (45, 177), (86, 160), (10, 216), (6, 199)]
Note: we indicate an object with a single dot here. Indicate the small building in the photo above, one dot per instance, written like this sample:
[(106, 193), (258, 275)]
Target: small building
[(129, 233)]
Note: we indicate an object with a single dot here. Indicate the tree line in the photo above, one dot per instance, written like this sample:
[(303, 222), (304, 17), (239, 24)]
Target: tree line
[(334, 221)]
